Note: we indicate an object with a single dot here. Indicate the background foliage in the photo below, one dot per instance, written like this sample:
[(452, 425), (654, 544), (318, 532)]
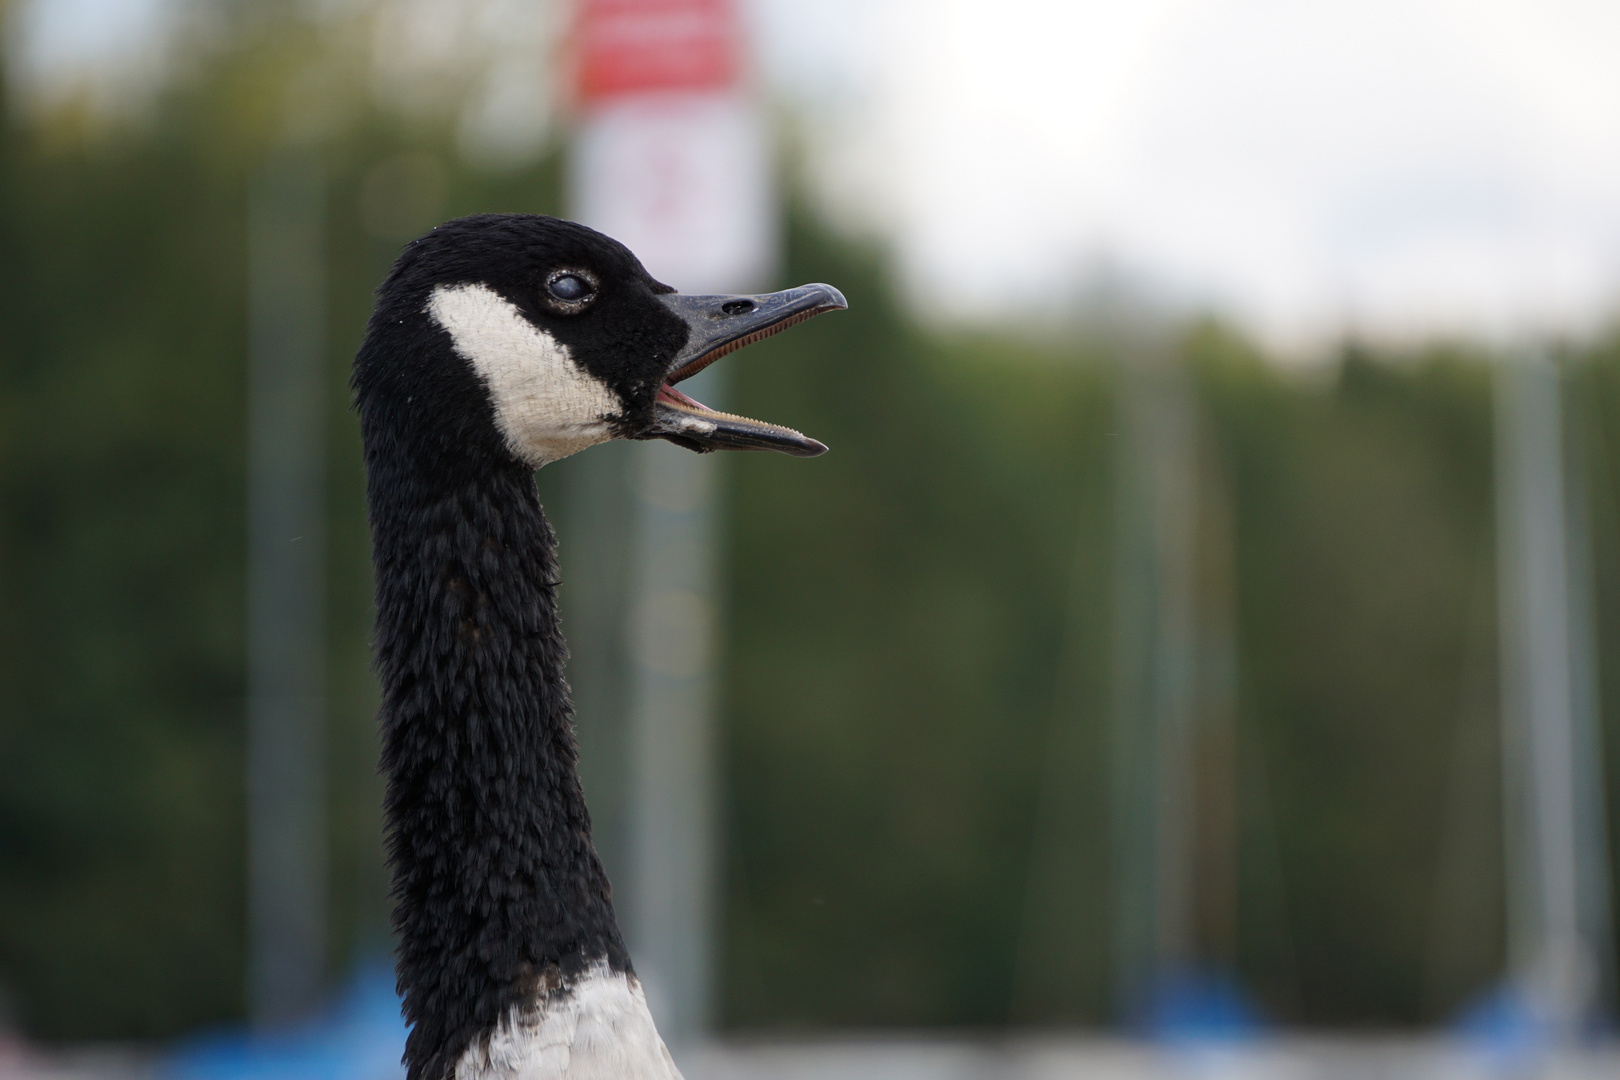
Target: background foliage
[(917, 689)]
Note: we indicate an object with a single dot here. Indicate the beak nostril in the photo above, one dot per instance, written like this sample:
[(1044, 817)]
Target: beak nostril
[(737, 307)]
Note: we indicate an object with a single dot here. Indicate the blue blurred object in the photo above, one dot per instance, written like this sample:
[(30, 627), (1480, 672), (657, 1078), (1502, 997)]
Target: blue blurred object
[(1200, 1006), (360, 1036), (1505, 1026)]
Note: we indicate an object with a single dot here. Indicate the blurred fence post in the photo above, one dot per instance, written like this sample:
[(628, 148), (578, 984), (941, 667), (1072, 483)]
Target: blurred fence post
[(1551, 766), (1155, 658), (286, 610), (674, 646), (671, 159)]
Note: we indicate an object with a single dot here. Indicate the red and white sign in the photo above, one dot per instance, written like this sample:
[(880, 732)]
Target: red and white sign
[(671, 155), (636, 46)]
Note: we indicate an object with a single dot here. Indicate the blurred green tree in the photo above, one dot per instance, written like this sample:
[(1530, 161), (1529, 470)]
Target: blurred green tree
[(919, 625)]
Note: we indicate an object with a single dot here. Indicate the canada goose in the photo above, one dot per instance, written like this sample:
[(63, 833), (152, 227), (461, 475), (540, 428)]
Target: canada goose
[(500, 343)]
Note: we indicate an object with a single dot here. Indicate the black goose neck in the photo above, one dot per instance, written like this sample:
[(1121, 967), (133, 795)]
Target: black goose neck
[(498, 891)]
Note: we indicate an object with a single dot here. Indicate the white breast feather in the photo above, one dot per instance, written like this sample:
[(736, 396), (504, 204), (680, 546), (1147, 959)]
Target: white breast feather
[(598, 1028), (547, 406)]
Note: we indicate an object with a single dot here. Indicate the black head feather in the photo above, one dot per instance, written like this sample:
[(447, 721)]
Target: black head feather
[(409, 384)]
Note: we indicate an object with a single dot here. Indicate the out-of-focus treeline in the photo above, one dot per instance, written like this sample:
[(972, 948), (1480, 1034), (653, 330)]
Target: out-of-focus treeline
[(919, 673)]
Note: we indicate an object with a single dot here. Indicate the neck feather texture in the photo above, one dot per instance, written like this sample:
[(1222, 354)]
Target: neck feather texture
[(499, 894)]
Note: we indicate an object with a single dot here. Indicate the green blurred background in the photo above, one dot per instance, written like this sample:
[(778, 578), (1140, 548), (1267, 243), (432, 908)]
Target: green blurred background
[(917, 658)]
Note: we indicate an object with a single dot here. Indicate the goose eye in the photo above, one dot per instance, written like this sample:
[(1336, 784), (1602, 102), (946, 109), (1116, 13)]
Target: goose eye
[(569, 288)]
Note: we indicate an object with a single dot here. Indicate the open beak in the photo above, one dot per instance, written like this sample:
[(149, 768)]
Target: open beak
[(723, 324)]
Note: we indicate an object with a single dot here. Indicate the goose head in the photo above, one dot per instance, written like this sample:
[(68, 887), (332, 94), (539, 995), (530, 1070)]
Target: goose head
[(532, 338)]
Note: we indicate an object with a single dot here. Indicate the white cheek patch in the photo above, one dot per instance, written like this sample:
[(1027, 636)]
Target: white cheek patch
[(547, 406)]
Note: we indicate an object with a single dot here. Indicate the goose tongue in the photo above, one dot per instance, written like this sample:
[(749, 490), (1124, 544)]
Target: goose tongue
[(668, 393), (723, 324)]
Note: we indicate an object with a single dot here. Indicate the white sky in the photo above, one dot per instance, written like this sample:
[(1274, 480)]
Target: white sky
[(52, 37), (1398, 166)]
